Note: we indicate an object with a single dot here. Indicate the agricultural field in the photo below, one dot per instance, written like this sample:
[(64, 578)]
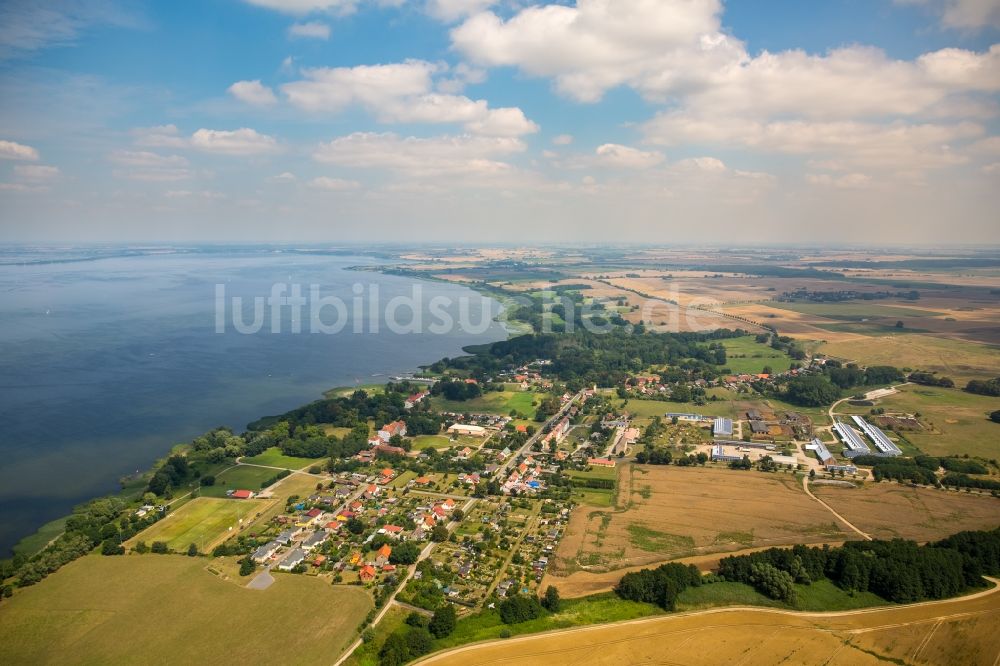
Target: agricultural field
[(132, 609), (889, 510), (747, 356), (273, 457), (960, 632), (667, 512), (203, 521), (954, 422), (248, 477)]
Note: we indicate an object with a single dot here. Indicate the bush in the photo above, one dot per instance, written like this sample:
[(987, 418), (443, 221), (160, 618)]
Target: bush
[(517, 608), (159, 547)]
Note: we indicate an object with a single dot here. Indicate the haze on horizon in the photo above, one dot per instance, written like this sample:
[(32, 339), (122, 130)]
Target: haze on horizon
[(490, 121)]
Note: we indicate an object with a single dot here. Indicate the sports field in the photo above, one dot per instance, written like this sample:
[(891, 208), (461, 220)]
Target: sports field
[(204, 521), (421, 442), (247, 477), (169, 609), (960, 632)]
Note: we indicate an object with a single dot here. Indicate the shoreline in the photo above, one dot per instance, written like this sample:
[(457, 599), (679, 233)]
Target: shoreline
[(45, 534)]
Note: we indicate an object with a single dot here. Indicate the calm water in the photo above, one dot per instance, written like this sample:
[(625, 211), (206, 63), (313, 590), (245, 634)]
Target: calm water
[(105, 363)]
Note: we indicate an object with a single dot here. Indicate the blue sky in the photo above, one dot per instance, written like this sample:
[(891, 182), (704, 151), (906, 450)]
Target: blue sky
[(846, 121)]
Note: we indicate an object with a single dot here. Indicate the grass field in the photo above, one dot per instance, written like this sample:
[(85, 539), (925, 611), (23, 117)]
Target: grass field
[(242, 476), (888, 510), (667, 512), (855, 310), (421, 442), (746, 355), (162, 609), (493, 402), (956, 632), (956, 421), (367, 653), (821, 595), (273, 457), (203, 521), (957, 359)]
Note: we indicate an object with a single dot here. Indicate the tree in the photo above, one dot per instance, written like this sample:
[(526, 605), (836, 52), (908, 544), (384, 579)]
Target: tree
[(159, 547), (192, 550), (208, 480), (355, 526), (443, 621), (551, 602), (247, 566), (439, 533), (899, 324), (995, 416), (418, 642), (812, 474), (811, 391), (404, 553), (415, 619), (394, 652), (141, 547), (457, 514)]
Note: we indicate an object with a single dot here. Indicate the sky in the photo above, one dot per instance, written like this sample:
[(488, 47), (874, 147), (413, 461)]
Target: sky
[(507, 121)]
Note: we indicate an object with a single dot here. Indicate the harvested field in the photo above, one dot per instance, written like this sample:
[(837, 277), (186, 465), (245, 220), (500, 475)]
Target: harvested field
[(667, 512), (960, 631), (171, 609), (887, 510)]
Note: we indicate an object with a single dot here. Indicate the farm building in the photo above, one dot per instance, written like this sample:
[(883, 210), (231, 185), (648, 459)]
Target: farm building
[(784, 460), (240, 494), (822, 453), (885, 446), (852, 440), (719, 453), (685, 416), (601, 462), (722, 427), (759, 428), (754, 415), (467, 429), (753, 445)]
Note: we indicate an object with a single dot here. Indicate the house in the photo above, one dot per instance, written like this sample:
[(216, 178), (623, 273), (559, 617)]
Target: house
[(355, 557), (389, 568), (467, 429), (448, 504), (315, 539), (521, 428), (332, 526), (371, 491), (367, 573), (313, 514), (292, 560), (465, 453), (439, 513), (394, 531), (266, 551), (382, 555), (388, 473), (287, 536), (389, 430), (241, 494), (414, 399), (422, 481), (319, 560), (490, 469), (472, 479)]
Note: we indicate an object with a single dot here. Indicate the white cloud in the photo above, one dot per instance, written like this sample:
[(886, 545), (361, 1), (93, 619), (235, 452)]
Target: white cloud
[(253, 93), (453, 10), (615, 155), (850, 181), (243, 141), (962, 14), (141, 158), (334, 184), (596, 44), (283, 177), (299, 7), (334, 88), (309, 30), (562, 139), (420, 157), (36, 172), (160, 136), (401, 93), (30, 25), (11, 150)]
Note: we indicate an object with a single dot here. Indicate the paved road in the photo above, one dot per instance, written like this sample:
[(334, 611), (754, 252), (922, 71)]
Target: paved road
[(261, 581)]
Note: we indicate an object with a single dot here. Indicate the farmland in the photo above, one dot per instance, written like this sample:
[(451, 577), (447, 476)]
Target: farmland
[(955, 422), (202, 521), (666, 512), (133, 609), (960, 631), (885, 511), (958, 359)]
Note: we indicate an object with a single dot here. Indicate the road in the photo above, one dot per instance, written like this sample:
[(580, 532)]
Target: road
[(447, 654), (805, 487), (429, 548)]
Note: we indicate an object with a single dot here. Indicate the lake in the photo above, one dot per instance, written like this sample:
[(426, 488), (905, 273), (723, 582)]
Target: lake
[(110, 356)]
